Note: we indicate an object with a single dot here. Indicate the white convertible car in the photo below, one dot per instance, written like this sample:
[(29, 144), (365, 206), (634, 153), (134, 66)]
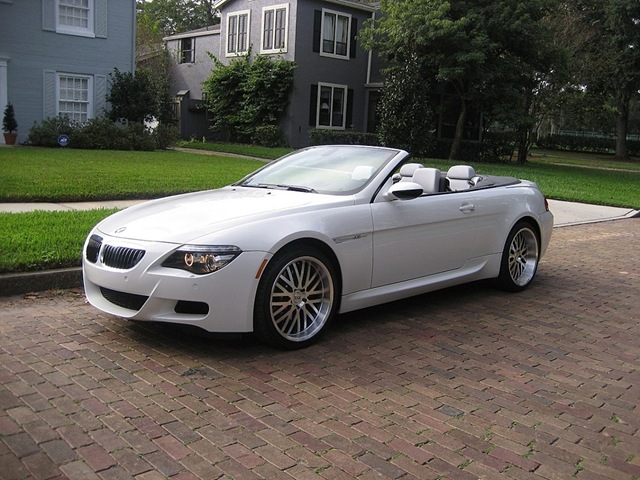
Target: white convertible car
[(322, 231)]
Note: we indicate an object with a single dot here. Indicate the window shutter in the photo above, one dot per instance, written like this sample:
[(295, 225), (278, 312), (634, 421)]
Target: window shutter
[(349, 119), (354, 34), (100, 18), (317, 31), (313, 106), (49, 15), (100, 95), (49, 91)]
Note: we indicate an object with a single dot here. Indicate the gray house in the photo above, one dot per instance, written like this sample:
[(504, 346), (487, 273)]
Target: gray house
[(56, 55), (334, 87)]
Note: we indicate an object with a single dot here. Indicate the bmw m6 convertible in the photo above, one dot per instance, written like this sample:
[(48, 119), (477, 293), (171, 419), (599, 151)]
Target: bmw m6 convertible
[(322, 231)]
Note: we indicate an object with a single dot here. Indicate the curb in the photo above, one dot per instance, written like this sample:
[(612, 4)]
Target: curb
[(58, 279)]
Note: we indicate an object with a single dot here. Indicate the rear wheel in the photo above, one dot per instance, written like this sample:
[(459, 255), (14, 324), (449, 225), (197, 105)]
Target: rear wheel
[(519, 258), (296, 298)]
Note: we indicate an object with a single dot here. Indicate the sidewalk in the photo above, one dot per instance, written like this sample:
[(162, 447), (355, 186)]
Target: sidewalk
[(565, 213)]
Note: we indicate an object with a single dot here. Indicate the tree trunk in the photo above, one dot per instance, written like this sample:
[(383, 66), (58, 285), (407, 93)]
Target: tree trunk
[(457, 137), (621, 128), (524, 144)]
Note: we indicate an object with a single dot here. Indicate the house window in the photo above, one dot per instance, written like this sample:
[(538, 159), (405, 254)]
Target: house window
[(75, 17), (275, 23), (332, 106), (237, 33), (74, 97), (335, 34), (187, 50)]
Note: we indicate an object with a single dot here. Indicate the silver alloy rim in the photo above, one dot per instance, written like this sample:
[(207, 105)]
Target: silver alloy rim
[(523, 257), (301, 299)]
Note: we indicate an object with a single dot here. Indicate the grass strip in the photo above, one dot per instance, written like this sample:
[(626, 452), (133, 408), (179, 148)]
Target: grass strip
[(44, 240)]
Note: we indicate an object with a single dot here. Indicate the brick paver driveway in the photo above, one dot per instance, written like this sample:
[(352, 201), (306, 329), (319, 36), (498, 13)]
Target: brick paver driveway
[(465, 383)]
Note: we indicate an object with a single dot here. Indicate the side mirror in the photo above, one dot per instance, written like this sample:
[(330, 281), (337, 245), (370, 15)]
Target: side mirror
[(404, 191)]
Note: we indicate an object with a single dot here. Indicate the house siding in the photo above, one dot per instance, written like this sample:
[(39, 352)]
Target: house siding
[(33, 50), (189, 76), (312, 68)]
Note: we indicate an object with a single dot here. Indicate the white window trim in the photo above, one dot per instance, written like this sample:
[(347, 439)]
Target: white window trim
[(237, 53), (326, 11), (333, 86), (82, 32), (90, 100), (275, 8)]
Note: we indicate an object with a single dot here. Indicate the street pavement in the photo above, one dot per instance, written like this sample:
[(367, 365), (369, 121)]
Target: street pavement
[(466, 383)]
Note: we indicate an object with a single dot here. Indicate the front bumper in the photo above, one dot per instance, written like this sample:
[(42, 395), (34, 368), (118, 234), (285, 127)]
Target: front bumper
[(218, 302)]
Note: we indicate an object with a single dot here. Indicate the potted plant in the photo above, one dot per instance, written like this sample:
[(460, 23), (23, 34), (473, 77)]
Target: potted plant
[(9, 125)]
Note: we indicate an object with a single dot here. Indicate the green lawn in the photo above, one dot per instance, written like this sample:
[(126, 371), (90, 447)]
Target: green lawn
[(43, 240), (40, 174)]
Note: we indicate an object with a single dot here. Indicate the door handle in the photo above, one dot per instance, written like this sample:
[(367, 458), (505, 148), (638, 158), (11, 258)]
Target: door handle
[(467, 207)]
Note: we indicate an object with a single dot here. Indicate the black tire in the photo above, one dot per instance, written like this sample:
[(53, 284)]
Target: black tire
[(520, 258), (297, 297)]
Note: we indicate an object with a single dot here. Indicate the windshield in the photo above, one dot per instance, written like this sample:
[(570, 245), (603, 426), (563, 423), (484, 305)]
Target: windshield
[(334, 170)]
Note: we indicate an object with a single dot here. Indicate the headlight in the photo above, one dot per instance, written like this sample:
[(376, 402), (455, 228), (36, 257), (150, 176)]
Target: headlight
[(202, 259)]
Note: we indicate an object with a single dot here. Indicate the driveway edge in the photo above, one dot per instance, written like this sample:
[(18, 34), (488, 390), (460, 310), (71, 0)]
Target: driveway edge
[(21, 283)]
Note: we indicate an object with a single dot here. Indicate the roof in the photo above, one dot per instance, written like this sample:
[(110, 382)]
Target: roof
[(366, 5), (198, 32)]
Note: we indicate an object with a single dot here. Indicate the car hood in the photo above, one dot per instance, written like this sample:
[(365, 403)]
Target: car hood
[(184, 218)]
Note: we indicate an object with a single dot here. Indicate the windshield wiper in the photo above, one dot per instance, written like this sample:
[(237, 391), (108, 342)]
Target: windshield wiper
[(293, 188), (298, 188)]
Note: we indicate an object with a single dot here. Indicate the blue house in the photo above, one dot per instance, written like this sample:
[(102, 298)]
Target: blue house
[(56, 55), (336, 81)]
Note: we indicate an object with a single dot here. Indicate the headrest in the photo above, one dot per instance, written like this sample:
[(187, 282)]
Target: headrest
[(408, 169), (461, 172)]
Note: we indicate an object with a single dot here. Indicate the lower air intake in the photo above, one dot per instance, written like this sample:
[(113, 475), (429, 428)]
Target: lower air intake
[(129, 301)]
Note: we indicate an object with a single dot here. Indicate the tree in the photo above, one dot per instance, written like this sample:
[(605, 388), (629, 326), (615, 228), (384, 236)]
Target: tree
[(404, 110), (607, 53), (139, 98), (169, 17), (245, 95), (491, 54)]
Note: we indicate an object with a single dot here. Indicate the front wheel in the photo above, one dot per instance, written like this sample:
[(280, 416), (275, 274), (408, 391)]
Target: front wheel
[(519, 258), (296, 298)]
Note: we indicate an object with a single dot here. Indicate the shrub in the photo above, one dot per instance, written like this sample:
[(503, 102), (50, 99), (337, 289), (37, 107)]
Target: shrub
[(269, 136), (166, 135), (245, 95), (319, 136), (102, 134), (575, 143), (97, 133), (47, 132), (498, 146)]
